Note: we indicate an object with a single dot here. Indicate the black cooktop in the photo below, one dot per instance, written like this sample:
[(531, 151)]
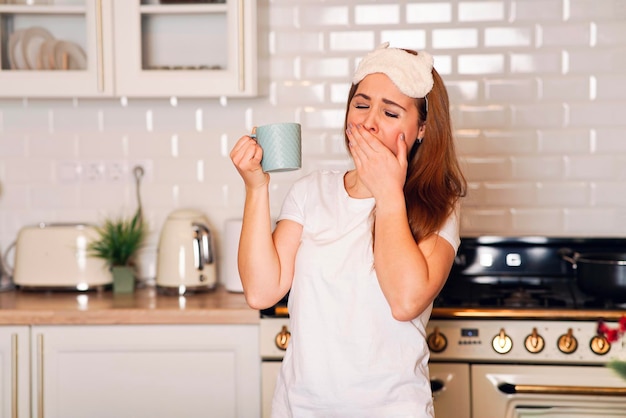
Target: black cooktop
[(492, 272), (521, 273)]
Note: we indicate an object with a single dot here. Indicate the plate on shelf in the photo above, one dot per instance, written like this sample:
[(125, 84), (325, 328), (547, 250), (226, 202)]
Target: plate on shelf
[(47, 59), (31, 42), (16, 56), (69, 56)]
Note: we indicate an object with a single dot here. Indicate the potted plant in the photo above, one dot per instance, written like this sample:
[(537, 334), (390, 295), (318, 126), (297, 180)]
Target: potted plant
[(118, 241)]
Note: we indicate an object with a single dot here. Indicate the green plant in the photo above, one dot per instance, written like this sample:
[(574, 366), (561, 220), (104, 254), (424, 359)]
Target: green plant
[(119, 239), (619, 367)]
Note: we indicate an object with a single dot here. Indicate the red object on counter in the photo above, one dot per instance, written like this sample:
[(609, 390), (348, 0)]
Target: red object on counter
[(612, 334)]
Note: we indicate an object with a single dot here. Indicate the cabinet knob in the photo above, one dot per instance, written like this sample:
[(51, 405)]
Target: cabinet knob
[(600, 345), (282, 338), (567, 343), (534, 343), (437, 342), (502, 343)]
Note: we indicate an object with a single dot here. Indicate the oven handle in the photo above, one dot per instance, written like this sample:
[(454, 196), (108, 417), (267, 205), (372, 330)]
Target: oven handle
[(436, 386), (511, 389)]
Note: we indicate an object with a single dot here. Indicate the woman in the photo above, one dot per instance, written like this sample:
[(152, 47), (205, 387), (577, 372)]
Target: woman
[(363, 253)]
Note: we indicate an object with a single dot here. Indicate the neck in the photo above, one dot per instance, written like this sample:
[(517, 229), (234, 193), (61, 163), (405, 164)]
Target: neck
[(354, 187)]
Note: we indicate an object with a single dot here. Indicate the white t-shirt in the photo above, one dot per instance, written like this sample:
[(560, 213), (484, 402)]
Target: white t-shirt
[(347, 356)]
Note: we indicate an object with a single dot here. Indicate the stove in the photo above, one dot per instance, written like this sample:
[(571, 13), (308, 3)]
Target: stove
[(510, 334), (523, 273), (518, 296)]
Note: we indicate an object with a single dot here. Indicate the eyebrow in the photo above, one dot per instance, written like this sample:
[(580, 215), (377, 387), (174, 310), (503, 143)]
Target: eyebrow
[(386, 101)]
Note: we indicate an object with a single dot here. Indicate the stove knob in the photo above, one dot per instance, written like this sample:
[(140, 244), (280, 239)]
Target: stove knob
[(437, 342), (567, 343), (534, 343), (600, 345), (282, 338), (502, 343)]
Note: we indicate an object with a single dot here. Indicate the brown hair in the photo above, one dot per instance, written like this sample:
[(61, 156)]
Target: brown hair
[(434, 181)]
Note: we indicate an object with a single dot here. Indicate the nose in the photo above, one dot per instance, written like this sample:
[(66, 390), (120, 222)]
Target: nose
[(370, 122)]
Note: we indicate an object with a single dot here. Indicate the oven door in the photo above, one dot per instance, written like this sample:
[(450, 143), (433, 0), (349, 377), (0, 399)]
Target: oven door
[(269, 374), (450, 383), (512, 391), (451, 389)]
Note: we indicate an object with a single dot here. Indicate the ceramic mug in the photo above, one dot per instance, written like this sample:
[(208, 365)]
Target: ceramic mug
[(281, 143)]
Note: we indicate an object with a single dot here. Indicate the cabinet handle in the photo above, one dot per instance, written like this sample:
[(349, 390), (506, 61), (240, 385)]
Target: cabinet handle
[(99, 46), (14, 397), (242, 72), (39, 376)]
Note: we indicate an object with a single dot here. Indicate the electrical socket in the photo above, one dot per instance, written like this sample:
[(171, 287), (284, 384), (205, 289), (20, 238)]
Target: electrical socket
[(116, 171), (111, 171), (92, 171)]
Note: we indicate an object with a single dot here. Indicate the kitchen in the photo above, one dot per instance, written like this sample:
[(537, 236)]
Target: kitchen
[(536, 86)]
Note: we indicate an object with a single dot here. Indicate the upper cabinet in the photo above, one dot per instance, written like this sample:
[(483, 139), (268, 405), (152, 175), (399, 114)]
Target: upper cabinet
[(133, 48), (56, 48), (185, 48)]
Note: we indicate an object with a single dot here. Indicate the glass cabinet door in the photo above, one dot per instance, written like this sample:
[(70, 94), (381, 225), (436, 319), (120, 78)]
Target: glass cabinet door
[(200, 48), (55, 48)]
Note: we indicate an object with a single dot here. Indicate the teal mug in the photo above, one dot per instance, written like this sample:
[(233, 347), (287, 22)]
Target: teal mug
[(282, 146)]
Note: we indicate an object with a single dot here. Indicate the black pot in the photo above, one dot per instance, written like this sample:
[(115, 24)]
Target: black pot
[(602, 275)]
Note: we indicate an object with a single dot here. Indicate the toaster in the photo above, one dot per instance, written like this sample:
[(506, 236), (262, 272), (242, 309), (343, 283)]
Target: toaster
[(56, 256)]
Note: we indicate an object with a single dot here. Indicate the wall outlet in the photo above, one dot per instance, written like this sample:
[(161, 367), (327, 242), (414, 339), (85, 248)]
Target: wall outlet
[(117, 171), (92, 171)]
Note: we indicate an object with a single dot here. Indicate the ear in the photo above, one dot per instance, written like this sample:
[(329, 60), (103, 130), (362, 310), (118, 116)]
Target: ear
[(421, 132)]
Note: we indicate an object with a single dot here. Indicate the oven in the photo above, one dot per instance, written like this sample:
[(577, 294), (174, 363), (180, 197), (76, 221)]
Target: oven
[(512, 314), (511, 335)]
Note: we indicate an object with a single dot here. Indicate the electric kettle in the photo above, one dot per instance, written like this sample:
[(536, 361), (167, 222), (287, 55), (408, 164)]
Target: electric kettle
[(186, 259)]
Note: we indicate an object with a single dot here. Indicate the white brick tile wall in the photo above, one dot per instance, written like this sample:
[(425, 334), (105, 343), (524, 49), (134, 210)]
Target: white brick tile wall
[(410, 39), (310, 16), (481, 11), (537, 91), (379, 14), (513, 37), (455, 38), (429, 12), (545, 63), (537, 10), (481, 64)]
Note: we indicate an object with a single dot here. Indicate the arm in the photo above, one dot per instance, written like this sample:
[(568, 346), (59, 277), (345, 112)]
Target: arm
[(410, 274), (265, 261)]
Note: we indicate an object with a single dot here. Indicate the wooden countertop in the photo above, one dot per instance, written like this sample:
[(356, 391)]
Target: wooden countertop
[(144, 306)]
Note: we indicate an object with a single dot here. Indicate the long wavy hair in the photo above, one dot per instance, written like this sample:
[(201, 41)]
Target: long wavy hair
[(434, 180)]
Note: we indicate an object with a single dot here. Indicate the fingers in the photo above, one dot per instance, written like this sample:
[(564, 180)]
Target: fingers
[(402, 148), (245, 142), (363, 139)]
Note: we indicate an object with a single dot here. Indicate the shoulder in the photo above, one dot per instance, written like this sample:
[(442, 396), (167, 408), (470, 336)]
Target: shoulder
[(451, 227), (319, 178)]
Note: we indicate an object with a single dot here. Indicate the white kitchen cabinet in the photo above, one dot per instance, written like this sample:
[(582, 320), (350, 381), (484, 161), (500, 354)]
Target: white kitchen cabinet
[(204, 49), (14, 371), (146, 370), (56, 48), (132, 48)]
